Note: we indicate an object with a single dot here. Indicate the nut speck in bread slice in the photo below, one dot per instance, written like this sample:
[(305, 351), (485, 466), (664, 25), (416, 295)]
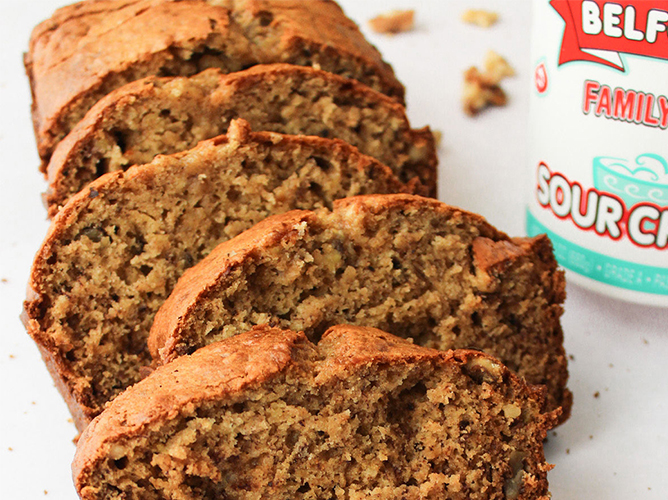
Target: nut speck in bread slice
[(86, 50), (411, 266), (115, 250), (360, 414), (166, 115)]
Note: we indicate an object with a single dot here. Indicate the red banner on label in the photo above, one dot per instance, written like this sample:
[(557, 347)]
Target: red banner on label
[(599, 31)]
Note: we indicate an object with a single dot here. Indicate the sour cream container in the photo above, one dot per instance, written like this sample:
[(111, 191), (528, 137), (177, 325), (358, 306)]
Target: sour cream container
[(598, 144)]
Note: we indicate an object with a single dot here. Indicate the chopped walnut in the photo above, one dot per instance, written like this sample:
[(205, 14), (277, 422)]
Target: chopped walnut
[(496, 67), (396, 21), (482, 89), (438, 137), (479, 92), (480, 17)]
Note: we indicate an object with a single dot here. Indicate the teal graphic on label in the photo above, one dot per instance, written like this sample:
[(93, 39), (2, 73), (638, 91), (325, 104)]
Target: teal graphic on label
[(599, 267), (646, 180)]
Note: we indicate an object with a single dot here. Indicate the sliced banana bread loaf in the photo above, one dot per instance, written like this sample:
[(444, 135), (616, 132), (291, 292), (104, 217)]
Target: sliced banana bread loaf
[(86, 50), (362, 414), (166, 115), (115, 251), (411, 266)]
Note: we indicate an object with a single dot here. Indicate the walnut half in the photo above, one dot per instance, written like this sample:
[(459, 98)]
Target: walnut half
[(482, 89)]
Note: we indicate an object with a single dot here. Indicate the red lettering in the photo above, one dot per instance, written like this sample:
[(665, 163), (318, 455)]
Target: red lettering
[(663, 110), (627, 105), (650, 119), (639, 107), (639, 28), (591, 95), (624, 101), (604, 101)]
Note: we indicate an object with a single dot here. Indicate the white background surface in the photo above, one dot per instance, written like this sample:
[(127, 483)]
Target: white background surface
[(615, 446)]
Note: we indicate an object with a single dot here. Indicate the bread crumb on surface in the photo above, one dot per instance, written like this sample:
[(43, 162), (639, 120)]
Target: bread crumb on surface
[(395, 21), (480, 17), (482, 90)]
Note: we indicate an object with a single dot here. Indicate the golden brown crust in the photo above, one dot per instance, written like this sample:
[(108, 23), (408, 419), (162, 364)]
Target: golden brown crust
[(375, 205), (112, 200), (88, 49), (218, 370), (205, 277), (509, 291), (224, 370), (196, 284), (203, 105), (199, 280)]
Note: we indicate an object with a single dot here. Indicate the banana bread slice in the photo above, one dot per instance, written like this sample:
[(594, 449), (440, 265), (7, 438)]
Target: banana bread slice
[(167, 115), (90, 48), (362, 414), (411, 266), (115, 250)]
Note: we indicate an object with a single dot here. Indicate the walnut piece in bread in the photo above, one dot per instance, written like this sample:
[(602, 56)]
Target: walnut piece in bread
[(359, 414), (116, 249), (411, 266)]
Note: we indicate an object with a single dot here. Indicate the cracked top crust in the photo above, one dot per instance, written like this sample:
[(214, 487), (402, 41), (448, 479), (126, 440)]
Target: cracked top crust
[(90, 48)]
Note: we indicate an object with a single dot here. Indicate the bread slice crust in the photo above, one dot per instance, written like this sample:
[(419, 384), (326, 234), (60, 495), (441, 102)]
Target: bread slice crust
[(116, 249), (268, 414), (86, 50), (134, 123), (408, 265)]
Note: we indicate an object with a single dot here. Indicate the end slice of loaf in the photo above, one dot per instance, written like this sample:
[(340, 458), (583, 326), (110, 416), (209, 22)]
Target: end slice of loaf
[(155, 115), (86, 50), (411, 266), (115, 251), (362, 414)]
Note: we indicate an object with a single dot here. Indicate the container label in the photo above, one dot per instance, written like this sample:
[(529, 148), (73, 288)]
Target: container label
[(626, 200), (602, 268), (598, 145), (598, 31), (625, 105)]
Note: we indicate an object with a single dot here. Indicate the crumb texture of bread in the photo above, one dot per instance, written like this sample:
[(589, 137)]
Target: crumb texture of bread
[(86, 50), (133, 124), (115, 251), (362, 414), (411, 266)]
